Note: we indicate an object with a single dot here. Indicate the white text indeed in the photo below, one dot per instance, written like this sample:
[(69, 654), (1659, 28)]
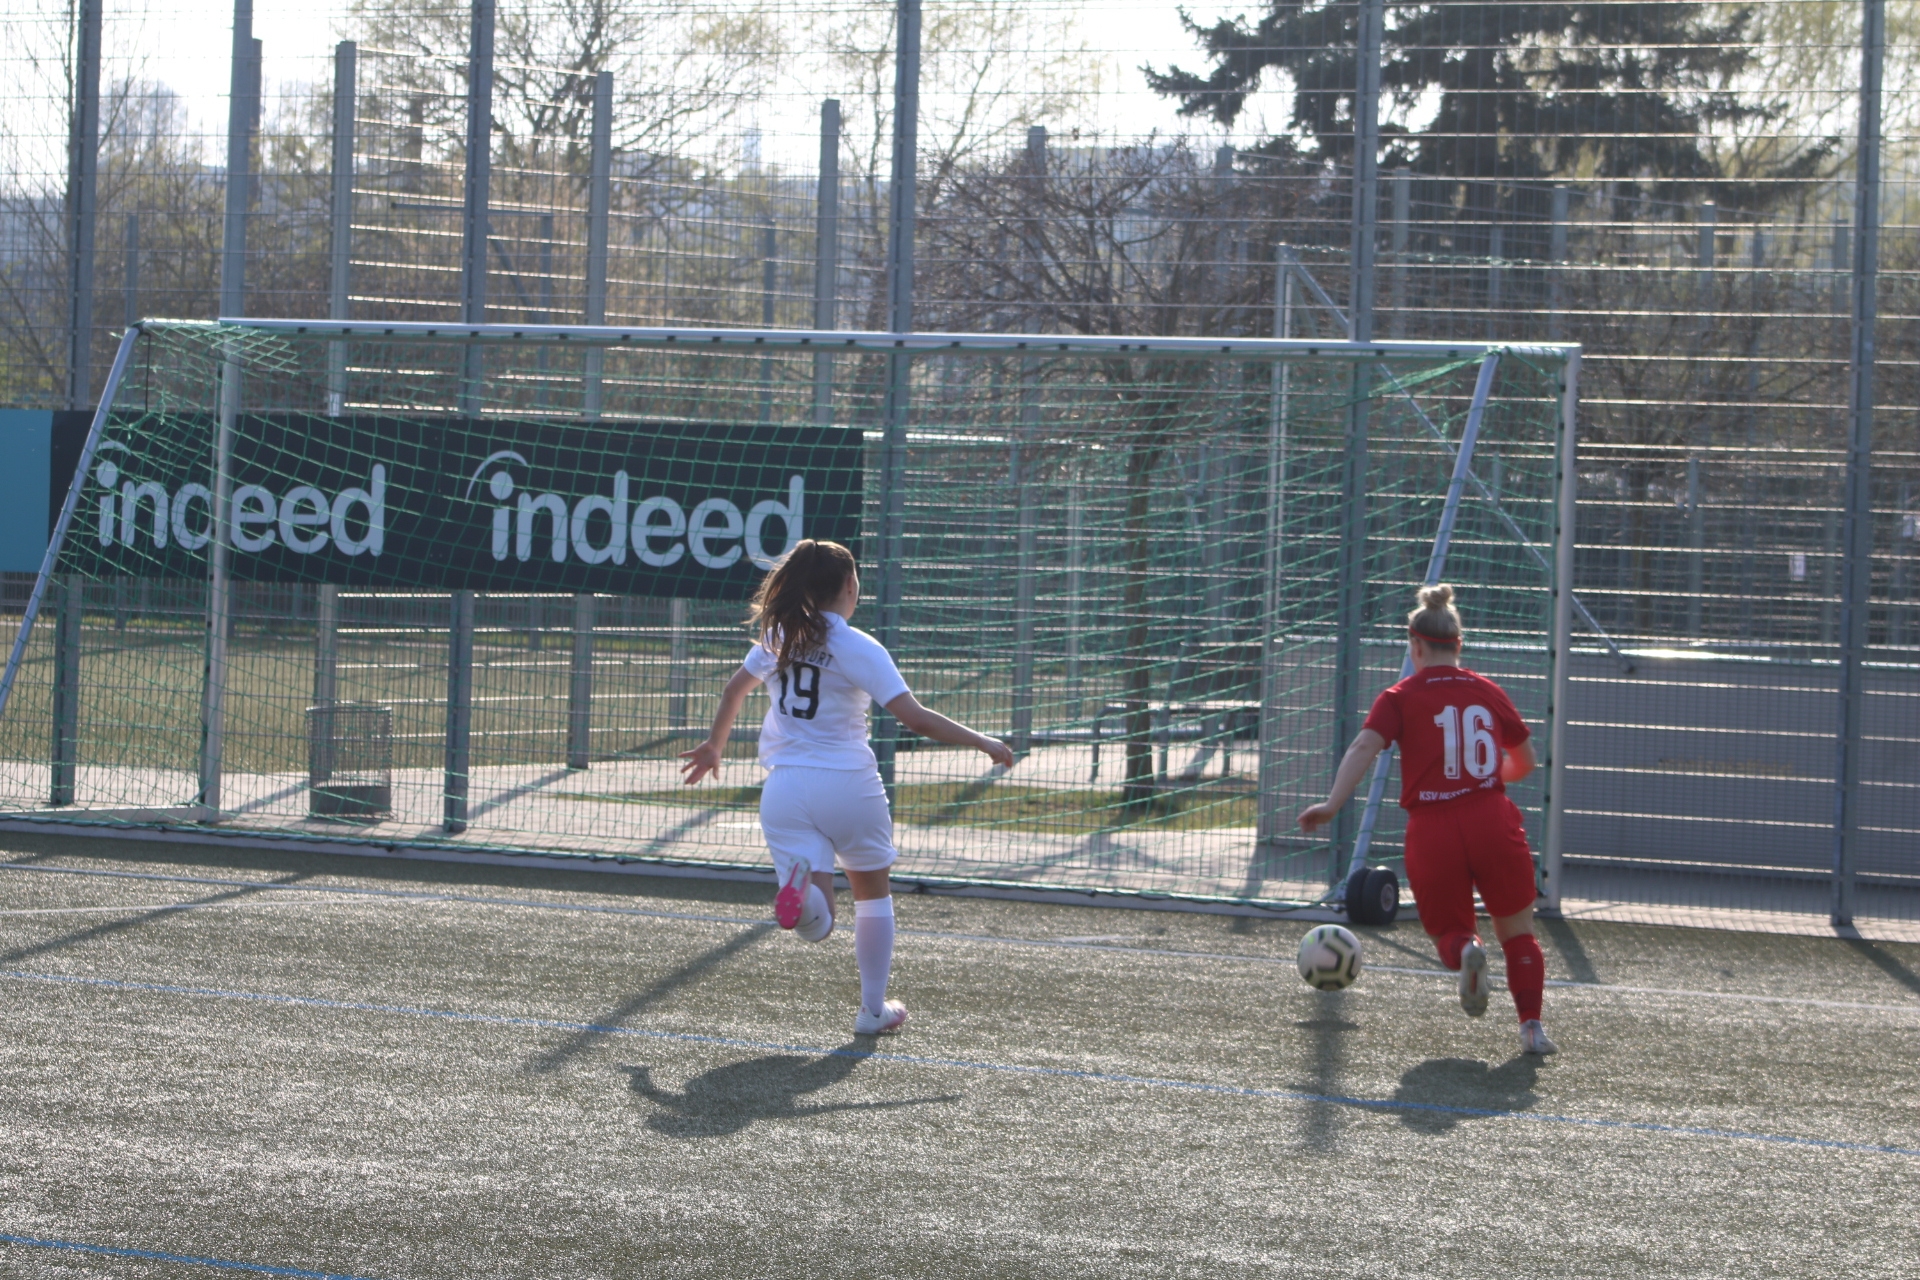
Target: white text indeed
[(657, 530), (303, 519)]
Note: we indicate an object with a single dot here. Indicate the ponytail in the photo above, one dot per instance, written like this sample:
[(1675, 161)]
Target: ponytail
[(1436, 620), (789, 609)]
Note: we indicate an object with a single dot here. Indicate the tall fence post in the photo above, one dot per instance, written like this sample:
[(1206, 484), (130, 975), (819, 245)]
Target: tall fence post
[(69, 611), (1857, 577), (1556, 264), (345, 92), (677, 611), (1402, 220), (130, 282), (476, 238), (769, 284), (580, 685), (1696, 547), (476, 230), (1560, 640), (326, 644), (459, 760), (243, 109), (1270, 823), (826, 256), (893, 446), (1351, 582), (599, 214), (1025, 435), (83, 172)]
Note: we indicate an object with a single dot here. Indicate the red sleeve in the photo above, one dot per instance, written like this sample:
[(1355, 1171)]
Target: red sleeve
[(1384, 719), (1513, 729)]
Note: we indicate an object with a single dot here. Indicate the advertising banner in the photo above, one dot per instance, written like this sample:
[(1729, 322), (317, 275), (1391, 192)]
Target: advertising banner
[(651, 509)]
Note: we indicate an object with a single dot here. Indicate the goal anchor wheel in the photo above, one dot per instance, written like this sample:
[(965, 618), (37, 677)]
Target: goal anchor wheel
[(1373, 896)]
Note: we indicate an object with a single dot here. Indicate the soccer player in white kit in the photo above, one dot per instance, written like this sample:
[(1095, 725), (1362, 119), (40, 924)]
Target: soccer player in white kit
[(823, 797)]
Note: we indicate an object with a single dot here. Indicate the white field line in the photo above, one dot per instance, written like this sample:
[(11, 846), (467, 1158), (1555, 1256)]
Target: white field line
[(348, 894)]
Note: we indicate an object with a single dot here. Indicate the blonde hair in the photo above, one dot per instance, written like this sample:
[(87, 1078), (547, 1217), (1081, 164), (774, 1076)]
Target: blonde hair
[(1436, 620)]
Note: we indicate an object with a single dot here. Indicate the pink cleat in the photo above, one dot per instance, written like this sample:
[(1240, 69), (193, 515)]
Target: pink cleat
[(791, 902)]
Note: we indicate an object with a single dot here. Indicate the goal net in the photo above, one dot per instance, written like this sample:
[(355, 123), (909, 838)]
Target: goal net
[(478, 587)]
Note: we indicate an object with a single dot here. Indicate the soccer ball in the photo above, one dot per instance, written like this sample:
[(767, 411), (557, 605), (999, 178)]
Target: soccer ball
[(1329, 957)]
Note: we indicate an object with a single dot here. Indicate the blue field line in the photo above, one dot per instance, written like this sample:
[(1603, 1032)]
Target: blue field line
[(155, 1255), (962, 1064)]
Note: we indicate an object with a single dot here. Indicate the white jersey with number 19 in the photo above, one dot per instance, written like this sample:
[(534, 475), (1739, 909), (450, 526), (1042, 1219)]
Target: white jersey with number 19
[(818, 716)]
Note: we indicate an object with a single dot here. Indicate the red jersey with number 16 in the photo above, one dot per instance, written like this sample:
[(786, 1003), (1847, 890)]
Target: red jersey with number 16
[(1451, 726)]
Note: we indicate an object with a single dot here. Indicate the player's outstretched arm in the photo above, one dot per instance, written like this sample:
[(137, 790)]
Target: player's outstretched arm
[(1353, 767), (931, 724), (705, 758)]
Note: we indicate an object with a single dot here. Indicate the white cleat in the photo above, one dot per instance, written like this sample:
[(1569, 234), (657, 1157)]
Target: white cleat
[(1534, 1039), (892, 1016), (1473, 979)]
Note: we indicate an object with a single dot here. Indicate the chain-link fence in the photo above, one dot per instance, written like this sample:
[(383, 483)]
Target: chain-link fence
[(1671, 185)]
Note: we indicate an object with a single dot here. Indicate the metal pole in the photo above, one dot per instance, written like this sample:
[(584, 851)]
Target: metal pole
[(1556, 260), (66, 688), (599, 207), (476, 231), (243, 110), (677, 664), (1697, 544), (345, 56), (580, 684), (83, 171), (459, 712), (1857, 577), (893, 448), (1270, 823), (769, 281), (132, 281), (1560, 641), (326, 675), (1402, 217), (326, 644), (1436, 569), (1019, 475), (826, 256), (1351, 582)]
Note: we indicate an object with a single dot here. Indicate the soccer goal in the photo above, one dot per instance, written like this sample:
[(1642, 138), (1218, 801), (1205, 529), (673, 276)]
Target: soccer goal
[(477, 586)]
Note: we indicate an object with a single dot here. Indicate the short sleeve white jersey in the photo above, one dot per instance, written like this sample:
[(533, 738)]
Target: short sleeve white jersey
[(818, 715)]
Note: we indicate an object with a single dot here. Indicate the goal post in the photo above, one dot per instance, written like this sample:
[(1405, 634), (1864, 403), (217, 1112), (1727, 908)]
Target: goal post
[(383, 600)]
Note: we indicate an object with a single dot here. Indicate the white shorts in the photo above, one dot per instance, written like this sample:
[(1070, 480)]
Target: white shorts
[(818, 814)]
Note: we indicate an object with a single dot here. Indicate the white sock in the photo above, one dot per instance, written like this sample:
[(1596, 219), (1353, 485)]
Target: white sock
[(816, 916), (873, 949)]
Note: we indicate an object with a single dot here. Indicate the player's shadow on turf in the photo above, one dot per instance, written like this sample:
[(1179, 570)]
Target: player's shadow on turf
[(728, 1098), (1441, 1092)]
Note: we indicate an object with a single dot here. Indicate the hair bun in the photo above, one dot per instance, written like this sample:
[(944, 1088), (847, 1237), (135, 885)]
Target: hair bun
[(1437, 597)]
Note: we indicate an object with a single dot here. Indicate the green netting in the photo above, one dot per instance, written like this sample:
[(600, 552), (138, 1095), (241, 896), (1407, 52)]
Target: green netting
[(1129, 566)]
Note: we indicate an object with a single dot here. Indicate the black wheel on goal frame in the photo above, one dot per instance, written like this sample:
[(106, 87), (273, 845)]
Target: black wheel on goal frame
[(1373, 896)]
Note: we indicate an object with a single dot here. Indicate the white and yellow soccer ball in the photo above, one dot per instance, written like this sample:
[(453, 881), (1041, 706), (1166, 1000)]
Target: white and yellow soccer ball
[(1329, 957)]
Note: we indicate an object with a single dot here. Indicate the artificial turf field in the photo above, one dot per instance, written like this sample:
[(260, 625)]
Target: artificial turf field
[(399, 1070)]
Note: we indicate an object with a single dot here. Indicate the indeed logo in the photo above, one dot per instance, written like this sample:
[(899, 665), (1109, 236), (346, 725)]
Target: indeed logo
[(602, 528), (303, 519)]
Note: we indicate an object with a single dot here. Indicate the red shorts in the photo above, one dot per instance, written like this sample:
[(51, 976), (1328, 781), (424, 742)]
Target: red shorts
[(1454, 848)]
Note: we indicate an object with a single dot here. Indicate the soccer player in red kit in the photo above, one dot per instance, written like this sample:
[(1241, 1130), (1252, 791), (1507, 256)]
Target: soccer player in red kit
[(1460, 741)]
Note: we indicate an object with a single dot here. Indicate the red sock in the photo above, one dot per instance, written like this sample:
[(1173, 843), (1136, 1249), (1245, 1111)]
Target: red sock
[(1526, 974), (1451, 945)]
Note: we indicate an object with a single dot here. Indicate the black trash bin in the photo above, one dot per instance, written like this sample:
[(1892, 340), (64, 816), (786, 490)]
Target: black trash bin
[(350, 761)]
